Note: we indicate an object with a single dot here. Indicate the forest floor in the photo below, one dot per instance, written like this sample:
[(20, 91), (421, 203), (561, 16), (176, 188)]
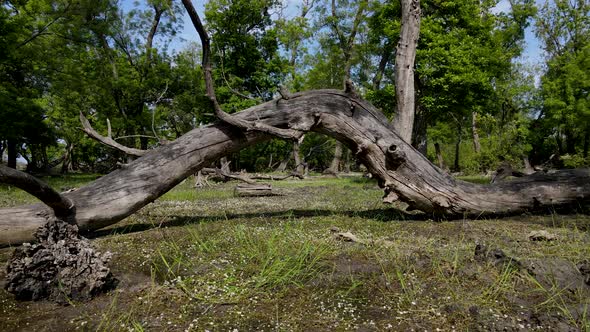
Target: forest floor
[(326, 255)]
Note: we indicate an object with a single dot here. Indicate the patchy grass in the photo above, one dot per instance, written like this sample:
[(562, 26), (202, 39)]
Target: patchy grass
[(204, 260)]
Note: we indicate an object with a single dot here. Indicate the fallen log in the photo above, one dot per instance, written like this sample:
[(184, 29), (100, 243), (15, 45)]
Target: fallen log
[(363, 129), (253, 190), (277, 177)]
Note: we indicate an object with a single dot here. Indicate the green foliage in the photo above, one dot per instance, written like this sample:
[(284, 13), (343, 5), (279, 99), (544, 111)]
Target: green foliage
[(22, 81), (564, 30), (245, 46), (262, 157), (383, 98), (59, 58), (575, 161)]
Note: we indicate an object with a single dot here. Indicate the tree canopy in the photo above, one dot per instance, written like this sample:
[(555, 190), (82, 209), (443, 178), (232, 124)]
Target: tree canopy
[(477, 104)]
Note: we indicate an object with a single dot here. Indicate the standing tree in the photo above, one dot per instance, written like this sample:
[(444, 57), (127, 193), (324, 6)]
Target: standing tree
[(564, 30), (405, 56), (343, 20)]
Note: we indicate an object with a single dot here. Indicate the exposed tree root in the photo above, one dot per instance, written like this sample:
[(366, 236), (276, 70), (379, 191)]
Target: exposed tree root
[(62, 267)]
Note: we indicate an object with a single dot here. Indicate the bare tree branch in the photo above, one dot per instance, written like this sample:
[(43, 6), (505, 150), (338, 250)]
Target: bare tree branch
[(231, 120), (109, 141), (397, 166), (61, 205)]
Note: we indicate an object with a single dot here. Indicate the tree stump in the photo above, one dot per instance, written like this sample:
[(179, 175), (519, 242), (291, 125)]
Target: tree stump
[(253, 190)]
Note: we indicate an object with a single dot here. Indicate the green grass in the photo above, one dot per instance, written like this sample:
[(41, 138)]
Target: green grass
[(476, 179), (10, 196), (204, 260)]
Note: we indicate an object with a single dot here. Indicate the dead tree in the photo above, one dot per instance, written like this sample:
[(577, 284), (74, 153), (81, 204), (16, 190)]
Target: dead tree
[(62, 265), (253, 190), (403, 172)]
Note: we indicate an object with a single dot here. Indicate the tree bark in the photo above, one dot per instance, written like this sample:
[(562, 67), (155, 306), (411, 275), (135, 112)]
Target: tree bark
[(335, 164), (283, 164), (108, 140), (456, 166), (420, 132), (62, 266), (61, 205), (299, 163), (476, 144), (402, 171), (404, 69), (224, 165), (439, 156), (253, 190), (12, 154)]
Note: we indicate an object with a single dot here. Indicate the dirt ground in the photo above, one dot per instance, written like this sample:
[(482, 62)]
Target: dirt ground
[(324, 255)]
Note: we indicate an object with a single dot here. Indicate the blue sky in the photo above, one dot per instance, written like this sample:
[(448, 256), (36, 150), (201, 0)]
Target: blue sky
[(533, 53)]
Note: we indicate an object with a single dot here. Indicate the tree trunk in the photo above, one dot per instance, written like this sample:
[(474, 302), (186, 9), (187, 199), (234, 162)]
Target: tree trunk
[(403, 172), (528, 168), (2, 148), (253, 190), (335, 165), (420, 134), (12, 153), (439, 157), (404, 69), (456, 166), (66, 164), (299, 163), (283, 165), (224, 165), (385, 55), (570, 141), (476, 144), (346, 161)]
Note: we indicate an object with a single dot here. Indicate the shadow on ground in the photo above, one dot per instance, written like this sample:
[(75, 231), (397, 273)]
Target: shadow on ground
[(384, 215), (579, 221)]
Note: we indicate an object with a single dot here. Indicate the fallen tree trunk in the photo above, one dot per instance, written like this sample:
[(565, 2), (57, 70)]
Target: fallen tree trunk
[(402, 171), (253, 190), (277, 178)]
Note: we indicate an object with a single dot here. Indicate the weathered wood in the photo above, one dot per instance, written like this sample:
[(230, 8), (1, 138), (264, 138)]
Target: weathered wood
[(250, 190), (62, 266), (334, 168), (61, 205), (505, 170), (357, 124), (248, 125), (277, 178), (405, 56), (108, 140)]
